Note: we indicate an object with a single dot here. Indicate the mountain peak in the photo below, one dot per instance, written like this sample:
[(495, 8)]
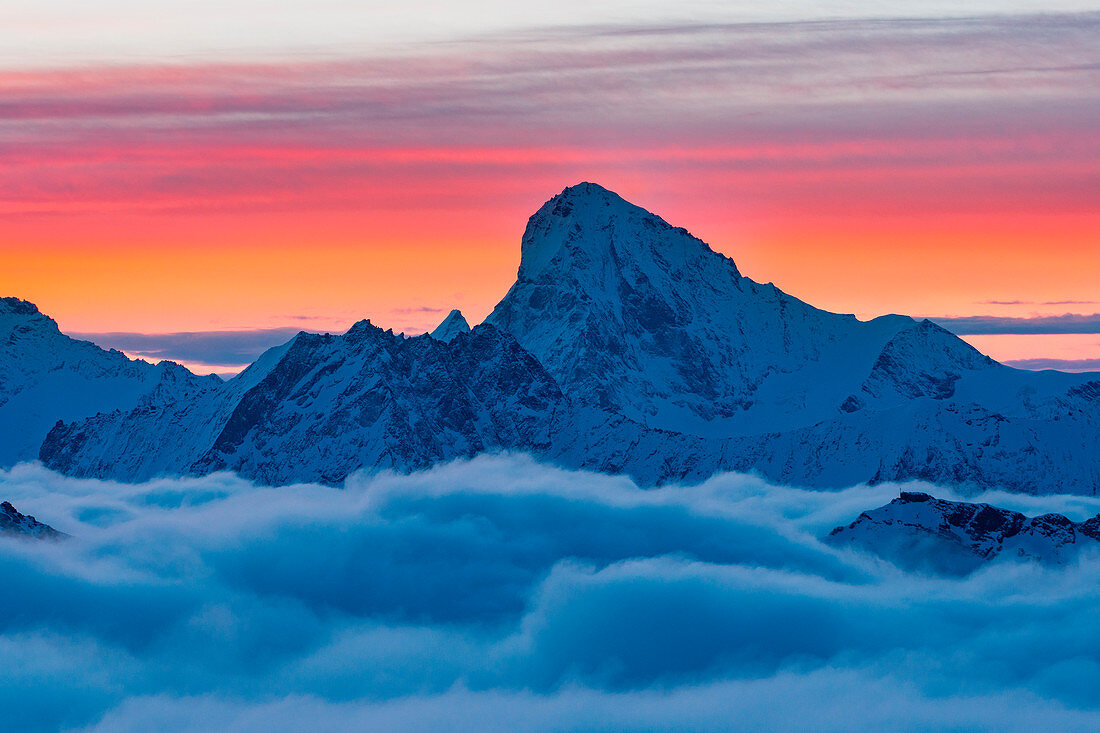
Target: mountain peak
[(589, 229), (18, 307), (591, 191), (454, 324), (22, 319), (24, 316), (919, 531), (12, 522), (361, 327)]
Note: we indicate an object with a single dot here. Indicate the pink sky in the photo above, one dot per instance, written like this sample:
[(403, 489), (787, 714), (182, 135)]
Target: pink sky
[(943, 167)]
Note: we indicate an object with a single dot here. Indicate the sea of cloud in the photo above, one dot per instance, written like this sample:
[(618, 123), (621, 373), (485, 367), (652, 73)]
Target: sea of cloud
[(503, 594)]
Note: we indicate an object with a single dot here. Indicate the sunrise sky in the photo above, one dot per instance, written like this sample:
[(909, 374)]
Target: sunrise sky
[(185, 170)]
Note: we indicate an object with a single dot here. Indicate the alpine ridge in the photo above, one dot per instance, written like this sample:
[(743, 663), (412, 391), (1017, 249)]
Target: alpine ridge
[(46, 376), (919, 532), (15, 524), (625, 345)]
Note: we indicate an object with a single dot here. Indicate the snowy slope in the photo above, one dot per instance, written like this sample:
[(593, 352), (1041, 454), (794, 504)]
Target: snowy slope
[(12, 523), (917, 531), (640, 318), (170, 429), (45, 376), (328, 405)]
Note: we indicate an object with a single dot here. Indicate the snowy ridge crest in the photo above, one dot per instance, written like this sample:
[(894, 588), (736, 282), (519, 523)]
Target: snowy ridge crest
[(625, 345), (918, 531)]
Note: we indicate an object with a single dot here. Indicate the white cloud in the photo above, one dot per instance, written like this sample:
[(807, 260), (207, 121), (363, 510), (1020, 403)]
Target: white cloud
[(501, 591)]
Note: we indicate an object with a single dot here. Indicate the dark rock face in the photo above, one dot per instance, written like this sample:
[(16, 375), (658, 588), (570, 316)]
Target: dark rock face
[(918, 531), (330, 405), (415, 401), (407, 402), (22, 525)]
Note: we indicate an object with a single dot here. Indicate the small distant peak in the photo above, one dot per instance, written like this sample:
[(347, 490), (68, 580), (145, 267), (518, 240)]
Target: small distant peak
[(18, 307), (914, 497), (454, 324), (24, 525), (364, 330), (363, 326)]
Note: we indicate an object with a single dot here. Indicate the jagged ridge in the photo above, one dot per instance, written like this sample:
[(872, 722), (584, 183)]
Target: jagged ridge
[(21, 525), (46, 376), (918, 531), (625, 345)]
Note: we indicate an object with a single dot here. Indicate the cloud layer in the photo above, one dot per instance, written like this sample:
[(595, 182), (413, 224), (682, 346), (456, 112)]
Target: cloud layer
[(502, 590), (233, 349), (978, 325), (1064, 365)]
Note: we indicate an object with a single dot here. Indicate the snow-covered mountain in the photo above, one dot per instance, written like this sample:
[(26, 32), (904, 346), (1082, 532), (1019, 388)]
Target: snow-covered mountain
[(919, 532), (454, 324), (12, 523), (640, 318), (45, 376), (625, 345), (643, 320), (327, 405)]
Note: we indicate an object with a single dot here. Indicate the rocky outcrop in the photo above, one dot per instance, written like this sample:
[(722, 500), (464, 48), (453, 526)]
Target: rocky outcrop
[(919, 532), (12, 523)]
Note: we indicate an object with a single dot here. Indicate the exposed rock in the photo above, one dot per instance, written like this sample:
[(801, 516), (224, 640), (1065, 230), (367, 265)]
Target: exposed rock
[(918, 531), (22, 525)]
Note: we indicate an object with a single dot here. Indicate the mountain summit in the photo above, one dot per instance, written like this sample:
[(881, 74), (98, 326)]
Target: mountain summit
[(920, 532), (640, 318), (625, 345), (591, 233), (454, 324)]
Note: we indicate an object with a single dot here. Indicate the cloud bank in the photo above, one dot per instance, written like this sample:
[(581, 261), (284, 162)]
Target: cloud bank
[(234, 349), (984, 325), (499, 593), (1064, 365)]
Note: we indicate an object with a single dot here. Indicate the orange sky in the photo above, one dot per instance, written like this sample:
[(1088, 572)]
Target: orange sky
[(870, 169), (177, 272)]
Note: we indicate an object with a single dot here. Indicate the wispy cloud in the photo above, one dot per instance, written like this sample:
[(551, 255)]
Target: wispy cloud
[(980, 325), (1062, 365), (1038, 302), (417, 309), (860, 100), (218, 348)]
